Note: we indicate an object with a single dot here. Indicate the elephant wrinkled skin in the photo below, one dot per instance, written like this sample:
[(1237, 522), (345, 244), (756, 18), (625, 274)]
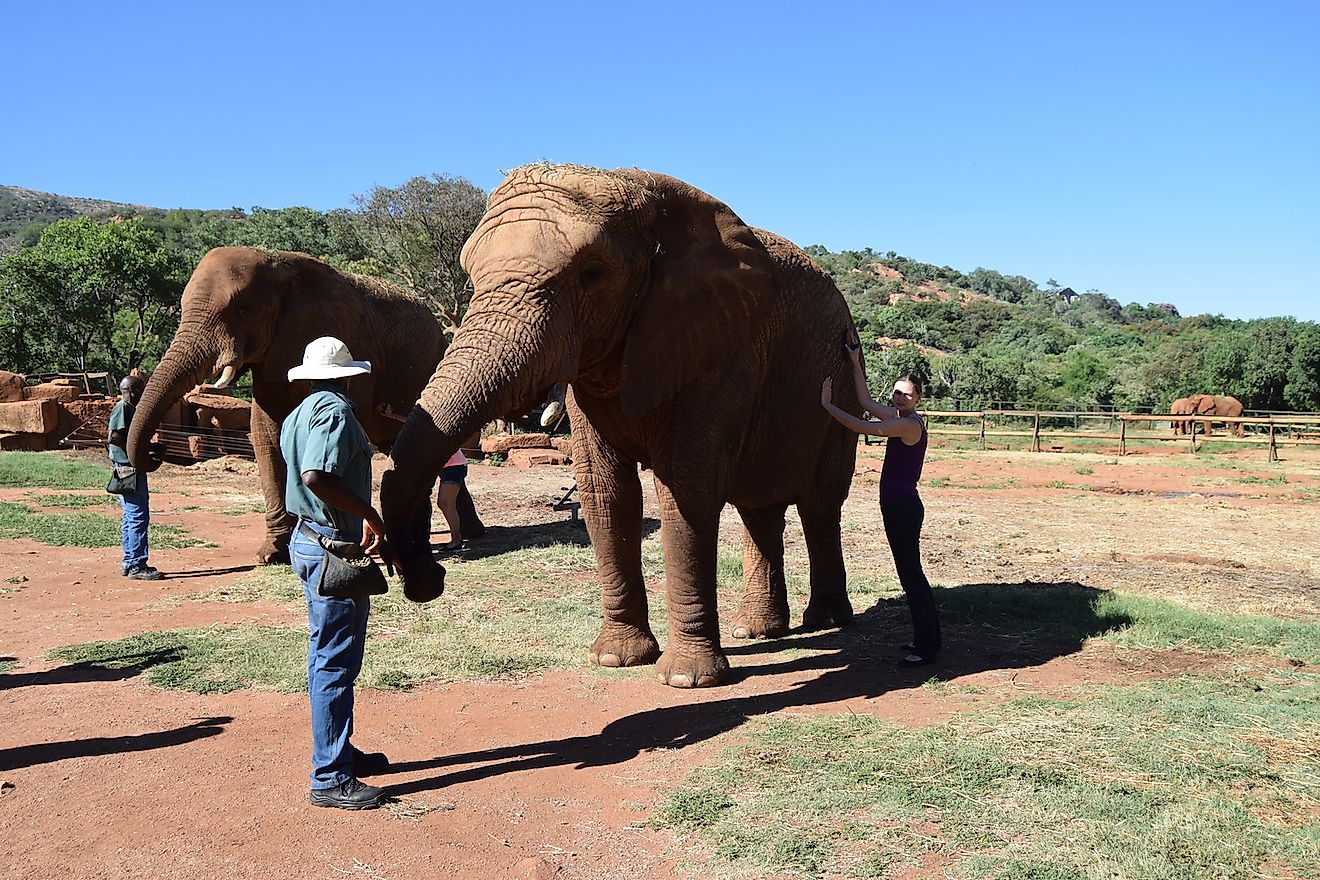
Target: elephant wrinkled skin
[(252, 309), (1203, 405), (694, 346)]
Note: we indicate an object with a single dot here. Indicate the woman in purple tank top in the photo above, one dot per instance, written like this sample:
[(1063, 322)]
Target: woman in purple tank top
[(900, 505)]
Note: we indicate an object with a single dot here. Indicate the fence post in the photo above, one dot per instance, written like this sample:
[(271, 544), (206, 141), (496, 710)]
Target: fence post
[(1035, 435), (1122, 436), (982, 430), (1274, 450)]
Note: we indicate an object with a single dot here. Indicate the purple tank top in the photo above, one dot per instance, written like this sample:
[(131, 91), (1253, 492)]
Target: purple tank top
[(902, 468)]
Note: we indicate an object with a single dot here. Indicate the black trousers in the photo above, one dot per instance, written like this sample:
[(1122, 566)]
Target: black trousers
[(903, 520)]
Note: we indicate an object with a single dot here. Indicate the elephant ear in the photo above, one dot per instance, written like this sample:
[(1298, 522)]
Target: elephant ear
[(710, 285), (315, 300)]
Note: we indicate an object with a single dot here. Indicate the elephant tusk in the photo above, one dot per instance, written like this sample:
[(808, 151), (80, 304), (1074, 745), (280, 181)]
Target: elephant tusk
[(226, 376), (551, 414)]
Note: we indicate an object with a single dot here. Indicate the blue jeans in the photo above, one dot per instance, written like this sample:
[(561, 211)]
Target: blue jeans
[(133, 524), (337, 635)]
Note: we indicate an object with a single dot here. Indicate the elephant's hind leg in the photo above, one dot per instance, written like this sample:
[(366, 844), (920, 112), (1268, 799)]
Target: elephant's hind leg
[(764, 611), (611, 496), (828, 605)]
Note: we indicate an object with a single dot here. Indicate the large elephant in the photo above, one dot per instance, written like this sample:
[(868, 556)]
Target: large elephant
[(254, 309), (693, 345), (1203, 405), (1227, 407)]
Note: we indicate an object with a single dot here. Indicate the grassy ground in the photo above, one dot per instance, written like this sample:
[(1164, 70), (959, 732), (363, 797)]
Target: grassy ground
[(1191, 778), (1209, 770), (42, 470), (82, 529)]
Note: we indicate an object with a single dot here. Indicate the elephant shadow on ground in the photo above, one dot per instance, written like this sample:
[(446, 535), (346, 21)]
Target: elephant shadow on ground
[(496, 540), (986, 627)]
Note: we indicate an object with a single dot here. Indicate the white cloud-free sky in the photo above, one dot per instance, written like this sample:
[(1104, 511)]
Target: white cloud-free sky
[(1158, 152)]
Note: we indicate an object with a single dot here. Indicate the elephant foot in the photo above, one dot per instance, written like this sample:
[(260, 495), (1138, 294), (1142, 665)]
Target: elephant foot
[(624, 646), (760, 623), (423, 578), (685, 670), (824, 614)]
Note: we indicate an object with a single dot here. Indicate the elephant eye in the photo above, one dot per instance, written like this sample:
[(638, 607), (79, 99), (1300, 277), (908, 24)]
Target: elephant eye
[(592, 274)]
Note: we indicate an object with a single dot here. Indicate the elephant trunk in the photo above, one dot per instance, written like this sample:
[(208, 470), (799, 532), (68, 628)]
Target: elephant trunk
[(494, 368), (192, 358)]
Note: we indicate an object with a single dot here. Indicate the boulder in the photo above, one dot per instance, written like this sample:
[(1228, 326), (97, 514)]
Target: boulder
[(53, 391), (525, 458), (12, 386), (29, 416), (563, 444), (91, 415), (502, 443)]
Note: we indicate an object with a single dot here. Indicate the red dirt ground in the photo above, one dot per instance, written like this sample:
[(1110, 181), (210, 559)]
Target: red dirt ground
[(555, 775)]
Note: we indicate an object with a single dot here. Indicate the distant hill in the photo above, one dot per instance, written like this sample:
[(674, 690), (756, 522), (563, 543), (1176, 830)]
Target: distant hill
[(24, 212)]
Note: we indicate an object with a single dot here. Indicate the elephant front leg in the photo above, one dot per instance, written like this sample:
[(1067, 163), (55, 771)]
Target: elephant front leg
[(265, 435), (829, 605), (611, 496), (764, 611), (689, 532)]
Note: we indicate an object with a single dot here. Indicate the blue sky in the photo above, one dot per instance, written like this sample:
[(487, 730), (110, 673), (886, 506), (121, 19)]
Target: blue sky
[(1158, 152)]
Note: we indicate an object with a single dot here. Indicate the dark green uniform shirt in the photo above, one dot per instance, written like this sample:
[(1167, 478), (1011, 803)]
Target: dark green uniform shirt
[(120, 418), (323, 434)]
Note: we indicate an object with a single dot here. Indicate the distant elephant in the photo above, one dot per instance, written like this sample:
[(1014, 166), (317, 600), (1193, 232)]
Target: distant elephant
[(1214, 405), (1181, 407), (1225, 407), (693, 345), (254, 309)]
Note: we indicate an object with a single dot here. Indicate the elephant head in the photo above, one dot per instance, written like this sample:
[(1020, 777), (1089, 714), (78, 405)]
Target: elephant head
[(625, 283), (241, 308)]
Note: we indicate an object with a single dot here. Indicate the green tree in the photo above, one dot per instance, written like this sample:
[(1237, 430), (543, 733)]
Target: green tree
[(1303, 388), (90, 296), (415, 232)]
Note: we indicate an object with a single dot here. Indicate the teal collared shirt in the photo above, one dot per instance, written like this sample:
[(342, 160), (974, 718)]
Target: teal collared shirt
[(120, 418), (323, 434)]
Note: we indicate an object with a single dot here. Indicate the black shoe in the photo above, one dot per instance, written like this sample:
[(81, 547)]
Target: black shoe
[(144, 573), (911, 661), (370, 763), (351, 795)]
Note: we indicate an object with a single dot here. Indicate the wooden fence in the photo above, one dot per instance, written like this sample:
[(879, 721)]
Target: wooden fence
[(1270, 431)]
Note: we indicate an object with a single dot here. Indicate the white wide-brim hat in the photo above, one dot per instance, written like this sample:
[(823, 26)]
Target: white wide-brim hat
[(328, 358)]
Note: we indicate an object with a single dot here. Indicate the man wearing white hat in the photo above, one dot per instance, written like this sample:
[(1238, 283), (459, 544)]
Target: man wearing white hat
[(329, 490)]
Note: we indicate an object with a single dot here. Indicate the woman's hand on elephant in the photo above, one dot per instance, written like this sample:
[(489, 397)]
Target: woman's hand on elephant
[(827, 392)]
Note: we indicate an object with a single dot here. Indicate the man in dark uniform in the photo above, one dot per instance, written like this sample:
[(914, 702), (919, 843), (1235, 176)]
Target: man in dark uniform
[(136, 516), (329, 490)]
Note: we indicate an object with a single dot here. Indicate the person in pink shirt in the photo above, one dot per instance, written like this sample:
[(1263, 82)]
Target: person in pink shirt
[(451, 482)]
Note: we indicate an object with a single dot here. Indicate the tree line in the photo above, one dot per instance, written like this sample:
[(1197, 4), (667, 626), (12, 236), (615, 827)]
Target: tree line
[(100, 292)]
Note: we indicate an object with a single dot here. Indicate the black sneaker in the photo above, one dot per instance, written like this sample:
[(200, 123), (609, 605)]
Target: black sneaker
[(370, 763), (351, 795), (911, 661), (144, 573)]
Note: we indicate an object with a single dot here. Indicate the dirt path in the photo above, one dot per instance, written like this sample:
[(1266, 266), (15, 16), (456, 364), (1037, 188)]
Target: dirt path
[(103, 776)]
